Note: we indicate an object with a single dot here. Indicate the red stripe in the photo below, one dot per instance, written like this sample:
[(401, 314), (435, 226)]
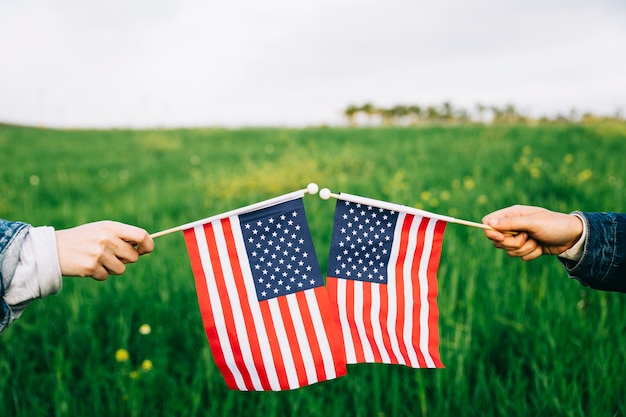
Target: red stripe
[(336, 332), (433, 318), (330, 320), (367, 319), (245, 306), (399, 283), (354, 334), (307, 321), (206, 309), (227, 310), (383, 316), (279, 363), (294, 345), (417, 303)]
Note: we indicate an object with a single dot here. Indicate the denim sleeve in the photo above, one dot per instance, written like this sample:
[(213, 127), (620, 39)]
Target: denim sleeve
[(11, 236), (602, 265)]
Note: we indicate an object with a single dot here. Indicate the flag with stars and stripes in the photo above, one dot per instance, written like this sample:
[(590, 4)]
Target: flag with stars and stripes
[(382, 275), (264, 305)]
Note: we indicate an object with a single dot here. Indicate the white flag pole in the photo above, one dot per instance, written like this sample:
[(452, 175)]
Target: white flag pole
[(325, 194), (311, 189)]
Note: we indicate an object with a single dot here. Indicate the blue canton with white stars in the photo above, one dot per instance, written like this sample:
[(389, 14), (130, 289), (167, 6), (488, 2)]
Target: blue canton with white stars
[(280, 250), (361, 242)]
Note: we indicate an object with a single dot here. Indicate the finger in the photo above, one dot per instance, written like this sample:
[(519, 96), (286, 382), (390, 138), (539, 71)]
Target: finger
[(125, 251), (494, 235), (533, 255), (133, 235), (512, 242), (137, 236), (113, 264), (526, 249), (100, 273)]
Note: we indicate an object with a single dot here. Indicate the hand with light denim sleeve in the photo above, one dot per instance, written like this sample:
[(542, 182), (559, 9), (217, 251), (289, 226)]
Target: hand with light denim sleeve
[(591, 246), (33, 259)]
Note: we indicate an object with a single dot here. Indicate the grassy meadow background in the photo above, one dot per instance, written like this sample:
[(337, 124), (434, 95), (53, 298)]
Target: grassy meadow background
[(517, 339)]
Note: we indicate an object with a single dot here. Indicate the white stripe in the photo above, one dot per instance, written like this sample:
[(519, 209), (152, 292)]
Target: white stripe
[(283, 343), (391, 289), (343, 318), (238, 317), (359, 322), (423, 279), (376, 324), (216, 307), (408, 292), (322, 337), (303, 340), (257, 315)]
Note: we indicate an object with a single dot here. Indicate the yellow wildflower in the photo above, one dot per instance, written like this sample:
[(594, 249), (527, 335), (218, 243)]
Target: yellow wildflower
[(584, 175), (121, 355), (146, 365), (535, 172), (145, 329)]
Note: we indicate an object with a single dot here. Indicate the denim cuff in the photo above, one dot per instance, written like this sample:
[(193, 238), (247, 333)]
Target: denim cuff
[(10, 244), (602, 264)]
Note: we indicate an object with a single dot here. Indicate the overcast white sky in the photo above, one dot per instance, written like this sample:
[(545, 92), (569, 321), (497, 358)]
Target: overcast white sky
[(137, 63)]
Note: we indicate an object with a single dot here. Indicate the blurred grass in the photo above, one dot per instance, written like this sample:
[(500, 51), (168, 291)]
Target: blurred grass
[(517, 338)]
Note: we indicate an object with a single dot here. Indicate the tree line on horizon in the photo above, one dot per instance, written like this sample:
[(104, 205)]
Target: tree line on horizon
[(446, 113)]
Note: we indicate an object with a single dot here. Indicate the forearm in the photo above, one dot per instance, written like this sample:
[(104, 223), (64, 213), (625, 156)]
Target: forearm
[(603, 261)]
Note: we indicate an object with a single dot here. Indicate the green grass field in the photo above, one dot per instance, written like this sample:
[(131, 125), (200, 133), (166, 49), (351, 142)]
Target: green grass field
[(517, 339)]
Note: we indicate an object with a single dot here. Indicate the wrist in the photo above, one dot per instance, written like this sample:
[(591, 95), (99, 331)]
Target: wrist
[(576, 245)]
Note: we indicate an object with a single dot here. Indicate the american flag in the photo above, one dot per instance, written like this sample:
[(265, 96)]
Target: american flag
[(382, 275), (261, 292)]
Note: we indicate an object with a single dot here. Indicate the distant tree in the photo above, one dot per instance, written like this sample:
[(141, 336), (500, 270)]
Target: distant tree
[(432, 114), (415, 114), (447, 112), (399, 113), (481, 108), (350, 112), (386, 116), (369, 109)]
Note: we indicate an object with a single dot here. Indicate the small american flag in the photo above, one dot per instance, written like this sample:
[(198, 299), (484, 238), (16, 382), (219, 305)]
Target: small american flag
[(382, 275), (261, 292)]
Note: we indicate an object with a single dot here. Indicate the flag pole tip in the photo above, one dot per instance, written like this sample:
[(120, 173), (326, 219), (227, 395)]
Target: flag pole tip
[(325, 193), (312, 188)]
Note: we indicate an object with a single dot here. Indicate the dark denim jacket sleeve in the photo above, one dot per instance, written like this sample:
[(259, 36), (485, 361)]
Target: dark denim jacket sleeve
[(10, 246), (603, 262)]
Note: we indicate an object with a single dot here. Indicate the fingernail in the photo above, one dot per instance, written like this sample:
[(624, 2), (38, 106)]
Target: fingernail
[(494, 221)]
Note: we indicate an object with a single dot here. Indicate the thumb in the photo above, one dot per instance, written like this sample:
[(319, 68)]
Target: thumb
[(517, 224)]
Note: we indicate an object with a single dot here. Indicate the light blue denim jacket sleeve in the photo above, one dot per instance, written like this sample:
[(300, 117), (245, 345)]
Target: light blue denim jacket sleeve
[(11, 237), (603, 263)]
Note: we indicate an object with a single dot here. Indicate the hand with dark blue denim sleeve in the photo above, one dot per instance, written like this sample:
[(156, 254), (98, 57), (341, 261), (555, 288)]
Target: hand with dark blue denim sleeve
[(539, 231), (591, 245)]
